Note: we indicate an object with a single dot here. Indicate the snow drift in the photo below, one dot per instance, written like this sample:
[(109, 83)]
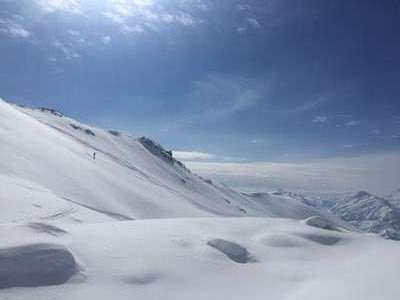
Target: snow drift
[(35, 265)]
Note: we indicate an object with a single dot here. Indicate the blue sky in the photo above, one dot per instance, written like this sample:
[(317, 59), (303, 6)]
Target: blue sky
[(237, 81)]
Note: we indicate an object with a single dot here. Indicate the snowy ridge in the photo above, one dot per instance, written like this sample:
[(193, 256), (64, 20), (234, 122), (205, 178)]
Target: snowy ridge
[(54, 153)]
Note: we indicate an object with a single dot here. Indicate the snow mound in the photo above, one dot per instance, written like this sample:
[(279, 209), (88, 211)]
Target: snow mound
[(35, 265), (141, 279), (232, 250), (281, 241), (326, 240), (319, 222)]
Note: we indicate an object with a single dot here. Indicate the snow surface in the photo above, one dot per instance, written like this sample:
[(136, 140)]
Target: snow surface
[(136, 224), (171, 259), (43, 154)]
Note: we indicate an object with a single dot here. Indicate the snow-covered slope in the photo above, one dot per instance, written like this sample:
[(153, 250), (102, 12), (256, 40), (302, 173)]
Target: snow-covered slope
[(49, 156), (60, 235), (217, 258)]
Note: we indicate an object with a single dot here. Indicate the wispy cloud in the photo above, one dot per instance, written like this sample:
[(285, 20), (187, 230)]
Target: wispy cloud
[(253, 22), (320, 119), (243, 7), (310, 105), (68, 6), (106, 39), (248, 24), (67, 51), (241, 29), (352, 123), (132, 29), (193, 155), (219, 96), (13, 29), (135, 16)]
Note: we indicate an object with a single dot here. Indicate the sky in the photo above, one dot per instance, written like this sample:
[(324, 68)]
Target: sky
[(243, 82)]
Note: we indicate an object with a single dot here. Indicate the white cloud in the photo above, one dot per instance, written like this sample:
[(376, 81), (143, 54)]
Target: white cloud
[(243, 7), (352, 123), (220, 95), (106, 39), (69, 6), (309, 105), (76, 36), (375, 173), (192, 155), (132, 29), (249, 23), (253, 22), (68, 52), (320, 119), (13, 29), (185, 19), (136, 15), (74, 33), (116, 18), (241, 29)]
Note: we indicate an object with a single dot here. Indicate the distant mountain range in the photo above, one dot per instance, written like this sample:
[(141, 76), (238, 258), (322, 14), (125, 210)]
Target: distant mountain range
[(365, 211)]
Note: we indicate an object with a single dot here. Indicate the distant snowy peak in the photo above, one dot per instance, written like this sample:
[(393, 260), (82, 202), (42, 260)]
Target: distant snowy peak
[(365, 211), (370, 213), (394, 198), (361, 195), (366, 199)]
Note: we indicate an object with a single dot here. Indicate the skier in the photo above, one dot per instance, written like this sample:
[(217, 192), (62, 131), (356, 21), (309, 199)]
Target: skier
[(94, 155)]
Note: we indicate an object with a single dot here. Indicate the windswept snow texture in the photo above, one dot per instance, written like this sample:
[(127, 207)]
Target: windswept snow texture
[(170, 259), (46, 228), (35, 265), (47, 166)]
